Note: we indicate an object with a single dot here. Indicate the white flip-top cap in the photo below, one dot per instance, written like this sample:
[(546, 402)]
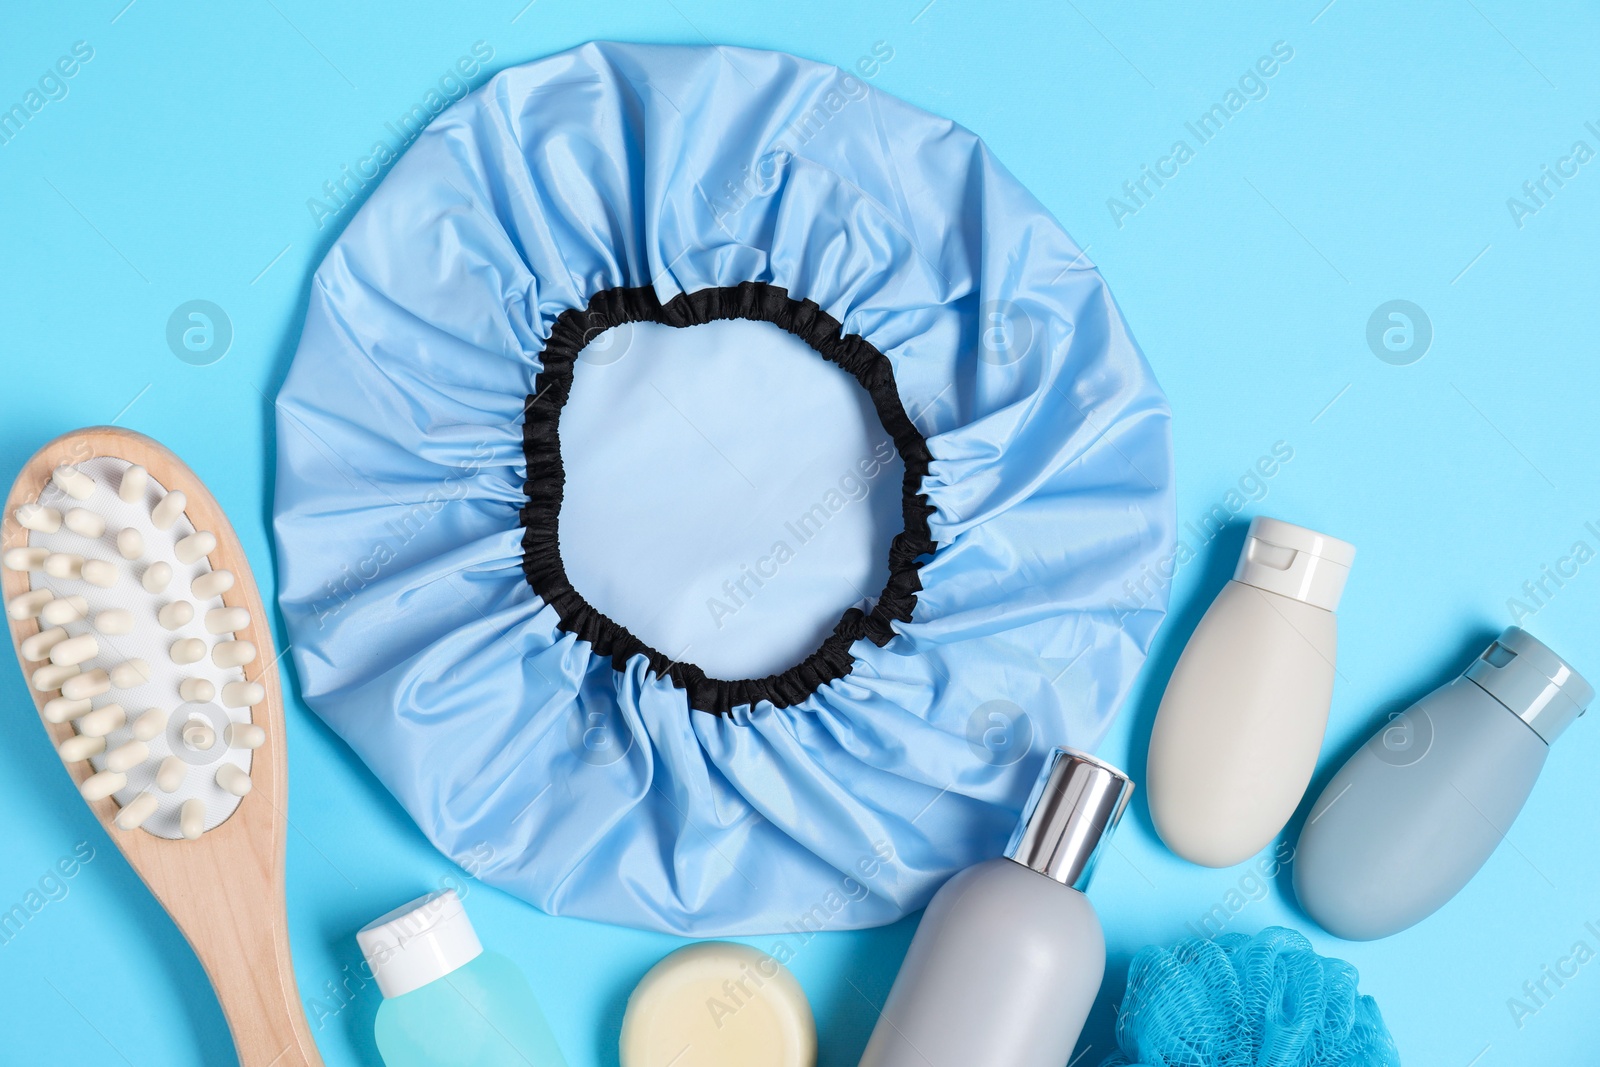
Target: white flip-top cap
[(1295, 562), (419, 943)]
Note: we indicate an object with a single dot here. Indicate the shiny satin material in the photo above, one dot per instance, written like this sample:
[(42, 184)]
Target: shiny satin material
[(598, 792)]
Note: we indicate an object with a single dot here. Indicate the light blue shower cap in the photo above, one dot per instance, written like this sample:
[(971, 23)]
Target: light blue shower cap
[(611, 321)]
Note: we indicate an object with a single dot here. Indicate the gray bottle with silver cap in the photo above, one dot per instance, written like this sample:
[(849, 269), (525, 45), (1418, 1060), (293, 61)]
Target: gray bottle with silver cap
[(1414, 814), (1009, 956)]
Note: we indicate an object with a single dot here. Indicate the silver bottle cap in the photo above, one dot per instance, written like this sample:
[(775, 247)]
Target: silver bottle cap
[(1074, 807), (1535, 684)]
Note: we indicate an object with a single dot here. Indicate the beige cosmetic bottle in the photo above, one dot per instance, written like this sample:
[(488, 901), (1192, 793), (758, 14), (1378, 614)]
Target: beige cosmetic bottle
[(1239, 728)]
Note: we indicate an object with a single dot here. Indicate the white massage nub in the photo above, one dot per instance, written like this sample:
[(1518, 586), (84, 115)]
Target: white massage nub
[(84, 523), (80, 747), (131, 488), (73, 482)]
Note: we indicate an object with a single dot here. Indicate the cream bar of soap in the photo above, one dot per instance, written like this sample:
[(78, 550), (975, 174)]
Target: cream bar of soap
[(718, 1004)]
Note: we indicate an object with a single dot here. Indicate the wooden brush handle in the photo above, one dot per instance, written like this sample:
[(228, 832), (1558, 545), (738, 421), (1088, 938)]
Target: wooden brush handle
[(239, 930), (258, 996)]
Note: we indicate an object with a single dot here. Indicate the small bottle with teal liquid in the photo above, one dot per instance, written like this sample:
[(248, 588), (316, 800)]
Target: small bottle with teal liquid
[(447, 1002)]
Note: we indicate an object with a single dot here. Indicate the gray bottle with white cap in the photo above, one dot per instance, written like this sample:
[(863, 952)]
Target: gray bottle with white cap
[(1009, 956), (1414, 814)]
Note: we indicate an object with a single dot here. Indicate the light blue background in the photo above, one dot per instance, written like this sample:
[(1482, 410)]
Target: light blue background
[(1378, 167)]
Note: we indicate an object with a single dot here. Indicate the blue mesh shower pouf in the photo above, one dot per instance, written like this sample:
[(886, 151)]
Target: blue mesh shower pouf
[(708, 486), (1242, 1001)]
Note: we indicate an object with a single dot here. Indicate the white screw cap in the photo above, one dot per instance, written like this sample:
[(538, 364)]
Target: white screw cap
[(419, 943)]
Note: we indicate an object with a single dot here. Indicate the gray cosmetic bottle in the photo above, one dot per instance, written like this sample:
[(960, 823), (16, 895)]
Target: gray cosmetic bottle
[(1414, 814), (1009, 956)]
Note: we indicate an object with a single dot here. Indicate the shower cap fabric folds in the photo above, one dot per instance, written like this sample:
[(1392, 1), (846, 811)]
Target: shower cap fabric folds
[(419, 493)]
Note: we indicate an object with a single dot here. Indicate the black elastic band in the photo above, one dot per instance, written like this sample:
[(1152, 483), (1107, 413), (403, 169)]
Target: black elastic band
[(542, 562)]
